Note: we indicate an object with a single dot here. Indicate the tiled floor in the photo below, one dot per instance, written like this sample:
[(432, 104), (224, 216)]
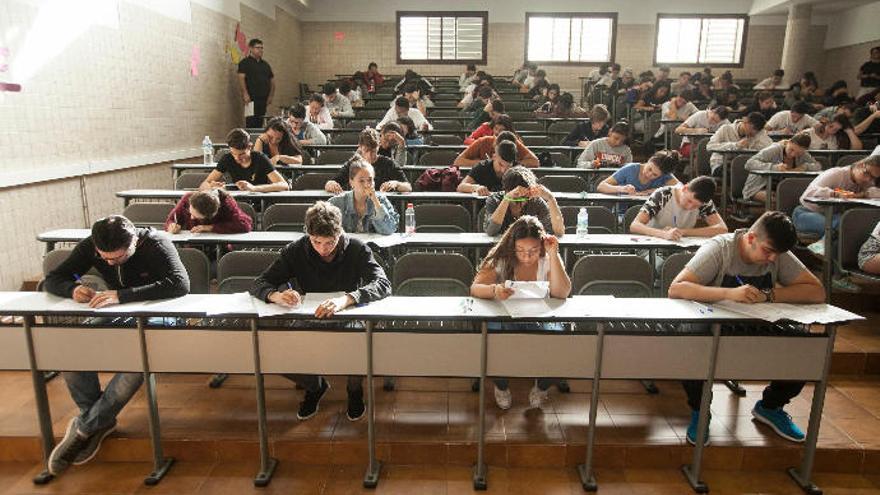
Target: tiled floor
[(235, 478)]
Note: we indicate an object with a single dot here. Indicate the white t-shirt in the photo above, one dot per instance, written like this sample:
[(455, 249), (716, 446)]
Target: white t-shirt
[(543, 274)]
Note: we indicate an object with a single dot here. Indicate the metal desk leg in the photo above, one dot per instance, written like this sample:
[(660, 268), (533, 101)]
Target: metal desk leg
[(371, 478), (161, 464), (267, 463), (585, 470), (692, 471), (41, 398), (480, 481), (767, 190), (802, 475), (828, 265), (724, 185)]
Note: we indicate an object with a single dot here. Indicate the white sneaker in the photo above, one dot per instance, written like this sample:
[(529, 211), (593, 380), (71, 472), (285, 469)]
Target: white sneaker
[(538, 397), (503, 398)]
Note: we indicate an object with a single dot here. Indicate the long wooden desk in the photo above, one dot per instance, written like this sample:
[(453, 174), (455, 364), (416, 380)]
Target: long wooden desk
[(605, 351)]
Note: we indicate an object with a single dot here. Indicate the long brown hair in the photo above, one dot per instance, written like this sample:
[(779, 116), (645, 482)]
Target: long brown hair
[(524, 227)]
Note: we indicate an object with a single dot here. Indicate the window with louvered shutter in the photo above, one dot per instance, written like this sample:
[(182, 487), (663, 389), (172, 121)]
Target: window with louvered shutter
[(570, 38), (441, 37), (698, 40)]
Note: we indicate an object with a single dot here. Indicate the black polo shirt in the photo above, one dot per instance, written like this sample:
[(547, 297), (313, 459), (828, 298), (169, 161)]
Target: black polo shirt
[(257, 173), (483, 174), (257, 76)]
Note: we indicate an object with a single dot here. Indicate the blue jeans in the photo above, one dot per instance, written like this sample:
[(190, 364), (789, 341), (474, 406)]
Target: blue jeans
[(542, 383), (810, 222), (98, 409)]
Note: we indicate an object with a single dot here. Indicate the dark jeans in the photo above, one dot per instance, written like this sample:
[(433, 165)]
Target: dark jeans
[(776, 395), (256, 120)]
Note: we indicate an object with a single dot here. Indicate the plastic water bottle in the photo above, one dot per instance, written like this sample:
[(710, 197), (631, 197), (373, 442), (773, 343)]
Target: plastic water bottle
[(410, 218), (207, 151), (583, 225)]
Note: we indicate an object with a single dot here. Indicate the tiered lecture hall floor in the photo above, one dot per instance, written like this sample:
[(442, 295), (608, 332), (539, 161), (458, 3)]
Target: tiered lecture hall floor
[(426, 429)]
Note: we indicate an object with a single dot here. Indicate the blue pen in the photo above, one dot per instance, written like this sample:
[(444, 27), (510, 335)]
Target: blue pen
[(77, 278), (740, 281), (289, 285)]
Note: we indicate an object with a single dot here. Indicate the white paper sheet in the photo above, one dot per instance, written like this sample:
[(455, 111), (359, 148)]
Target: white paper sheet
[(527, 308), (528, 290), (801, 313), (249, 109), (240, 302), (69, 305), (308, 305)]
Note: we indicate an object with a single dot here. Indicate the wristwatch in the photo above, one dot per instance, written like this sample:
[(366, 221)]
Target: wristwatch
[(769, 294)]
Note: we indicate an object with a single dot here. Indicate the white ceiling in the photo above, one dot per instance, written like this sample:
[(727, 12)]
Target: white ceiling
[(820, 7)]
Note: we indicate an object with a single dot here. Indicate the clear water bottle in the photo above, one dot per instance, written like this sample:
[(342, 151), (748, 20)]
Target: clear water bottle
[(410, 218), (583, 225), (207, 151)]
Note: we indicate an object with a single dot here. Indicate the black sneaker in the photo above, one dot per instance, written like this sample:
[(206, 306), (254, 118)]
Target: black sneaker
[(356, 407), (309, 405), (68, 449), (94, 443)]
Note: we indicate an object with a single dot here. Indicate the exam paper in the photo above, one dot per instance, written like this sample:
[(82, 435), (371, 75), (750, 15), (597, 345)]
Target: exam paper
[(801, 313), (308, 305), (528, 290), (526, 308), (240, 302)]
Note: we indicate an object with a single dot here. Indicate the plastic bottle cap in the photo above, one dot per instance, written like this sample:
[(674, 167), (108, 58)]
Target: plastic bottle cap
[(409, 205)]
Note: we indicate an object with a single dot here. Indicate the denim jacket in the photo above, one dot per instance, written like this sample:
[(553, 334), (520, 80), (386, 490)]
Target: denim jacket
[(382, 222)]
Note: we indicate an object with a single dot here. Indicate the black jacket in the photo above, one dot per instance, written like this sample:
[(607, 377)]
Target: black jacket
[(583, 131), (154, 271), (353, 271)]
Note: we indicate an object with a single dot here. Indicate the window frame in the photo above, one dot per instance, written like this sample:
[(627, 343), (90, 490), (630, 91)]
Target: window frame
[(601, 15), (742, 48), (484, 14)]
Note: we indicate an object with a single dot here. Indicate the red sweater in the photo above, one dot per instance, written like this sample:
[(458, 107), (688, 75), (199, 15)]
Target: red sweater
[(230, 219), (485, 129)]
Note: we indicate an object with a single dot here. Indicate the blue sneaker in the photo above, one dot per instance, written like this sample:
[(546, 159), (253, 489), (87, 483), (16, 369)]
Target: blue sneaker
[(692, 429), (780, 421)]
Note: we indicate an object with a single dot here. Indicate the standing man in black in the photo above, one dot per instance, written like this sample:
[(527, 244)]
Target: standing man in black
[(256, 82)]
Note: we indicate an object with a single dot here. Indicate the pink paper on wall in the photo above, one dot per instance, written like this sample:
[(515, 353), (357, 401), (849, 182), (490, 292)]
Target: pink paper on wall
[(339, 36), (194, 60), (241, 39)]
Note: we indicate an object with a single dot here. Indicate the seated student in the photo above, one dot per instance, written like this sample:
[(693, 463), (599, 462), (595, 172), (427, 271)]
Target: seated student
[(325, 260), (471, 92), (388, 176), (626, 81), (392, 144), (764, 104), (750, 266), (467, 77), (410, 132), (586, 131), (413, 94), (683, 84), (835, 134), (137, 265), (318, 113), (500, 122), (611, 151), (806, 90), (352, 92), (482, 149), (643, 178), (703, 95), (786, 155), (485, 177), (305, 132), (521, 195), (547, 98), (212, 210), (402, 108), (869, 253), (637, 91), (663, 73), (605, 75), (727, 93), (746, 133), (672, 212), (525, 253), (521, 74), (858, 180), (837, 94), (846, 109), (791, 121), (363, 209), (653, 99), (373, 78), (489, 109), (773, 82), (565, 108), (534, 84), (702, 122), (338, 105), (678, 107), (277, 142), (867, 118), (249, 170)]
